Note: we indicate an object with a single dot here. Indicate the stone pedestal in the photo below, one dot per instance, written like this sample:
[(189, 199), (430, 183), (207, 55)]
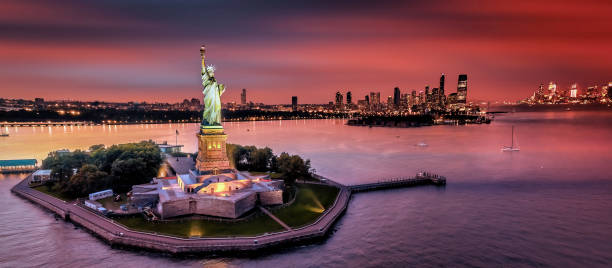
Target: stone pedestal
[(212, 154)]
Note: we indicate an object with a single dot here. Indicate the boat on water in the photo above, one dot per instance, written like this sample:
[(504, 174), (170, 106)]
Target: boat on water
[(4, 134), (422, 144), (511, 148)]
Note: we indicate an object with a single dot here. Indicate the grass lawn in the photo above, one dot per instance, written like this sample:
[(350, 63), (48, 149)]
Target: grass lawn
[(311, 201), (45, 190), (203, 228)]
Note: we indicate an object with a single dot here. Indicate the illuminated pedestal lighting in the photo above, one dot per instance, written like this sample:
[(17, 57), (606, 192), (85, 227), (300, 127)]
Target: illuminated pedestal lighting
[(212, 154)]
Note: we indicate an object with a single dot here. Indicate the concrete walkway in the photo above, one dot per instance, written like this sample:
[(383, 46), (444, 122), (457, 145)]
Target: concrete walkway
[(275, 218)]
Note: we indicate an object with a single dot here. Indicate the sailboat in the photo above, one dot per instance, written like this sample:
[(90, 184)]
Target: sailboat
[(511, 148)]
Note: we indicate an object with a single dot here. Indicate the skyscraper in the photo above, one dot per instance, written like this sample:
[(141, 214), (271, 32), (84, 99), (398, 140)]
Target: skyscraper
[(396, 97), (440, 97), (462, 89), (243, 97), (294, 103), (374, 100), (367, 100), (339, 100), (574, 91), (349, 98)]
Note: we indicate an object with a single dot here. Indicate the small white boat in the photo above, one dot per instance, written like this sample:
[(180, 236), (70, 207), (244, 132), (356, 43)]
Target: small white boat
[(511, 148), (422, 144)]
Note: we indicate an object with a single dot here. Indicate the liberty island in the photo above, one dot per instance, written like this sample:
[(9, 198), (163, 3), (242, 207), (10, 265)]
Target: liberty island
[(213, 188)]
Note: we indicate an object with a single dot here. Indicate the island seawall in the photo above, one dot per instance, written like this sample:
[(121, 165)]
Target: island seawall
[(116, 234)]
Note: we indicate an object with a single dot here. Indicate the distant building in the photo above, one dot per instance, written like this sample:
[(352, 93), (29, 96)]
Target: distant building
[(374, 100), (367, 100), (339, 100), (166, 148), (441, 91), (101, 194), (243, 99), (574, 91), (294, 103), (396, 97), (452, 98), (41, 175), (349, 98), (462, 89)]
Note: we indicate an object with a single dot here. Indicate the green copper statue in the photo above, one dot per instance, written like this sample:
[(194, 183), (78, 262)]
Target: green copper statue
[(212, 94)]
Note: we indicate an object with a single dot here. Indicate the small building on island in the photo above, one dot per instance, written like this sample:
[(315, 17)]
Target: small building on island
[(41, 175), (101, 194)]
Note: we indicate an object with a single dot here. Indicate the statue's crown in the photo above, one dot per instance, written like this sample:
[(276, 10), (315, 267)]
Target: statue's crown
[(210, 68)]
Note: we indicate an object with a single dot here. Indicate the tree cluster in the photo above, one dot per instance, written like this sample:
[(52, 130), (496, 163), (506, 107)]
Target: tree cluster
[(251, 158), (117, 167)]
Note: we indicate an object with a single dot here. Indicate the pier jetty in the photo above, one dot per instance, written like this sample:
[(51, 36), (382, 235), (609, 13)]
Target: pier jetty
[(116, 234), (422, 178)]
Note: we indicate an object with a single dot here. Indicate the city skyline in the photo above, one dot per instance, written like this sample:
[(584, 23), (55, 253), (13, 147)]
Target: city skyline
[(123, 52)]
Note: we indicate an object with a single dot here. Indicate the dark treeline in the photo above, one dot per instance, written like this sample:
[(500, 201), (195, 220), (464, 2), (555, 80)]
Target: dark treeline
[(251, 158), (381, 120), (131, 116), (98, 115), (267, 115), (117, 167)]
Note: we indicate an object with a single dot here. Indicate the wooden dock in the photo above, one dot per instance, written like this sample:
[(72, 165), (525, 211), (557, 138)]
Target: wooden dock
[(422, 178)]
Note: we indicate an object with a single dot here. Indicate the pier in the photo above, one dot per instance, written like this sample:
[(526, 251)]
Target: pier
[(18, 165), (46, 124), (422, 178), (119, 235)]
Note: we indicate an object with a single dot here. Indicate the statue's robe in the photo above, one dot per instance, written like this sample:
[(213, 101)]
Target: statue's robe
[(212, 98)]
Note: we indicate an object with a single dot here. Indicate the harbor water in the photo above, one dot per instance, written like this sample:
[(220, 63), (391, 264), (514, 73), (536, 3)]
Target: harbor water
[(550, 204)]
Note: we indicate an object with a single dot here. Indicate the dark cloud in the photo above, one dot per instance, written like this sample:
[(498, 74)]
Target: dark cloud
[(307, 46)]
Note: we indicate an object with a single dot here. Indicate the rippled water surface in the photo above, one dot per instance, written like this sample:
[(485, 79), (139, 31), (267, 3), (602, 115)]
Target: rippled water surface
[(548, 205)]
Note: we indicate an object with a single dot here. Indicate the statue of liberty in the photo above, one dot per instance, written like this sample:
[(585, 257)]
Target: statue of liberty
[(212, 94)]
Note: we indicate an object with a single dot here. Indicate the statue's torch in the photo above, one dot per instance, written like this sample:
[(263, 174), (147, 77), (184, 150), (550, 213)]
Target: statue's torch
[(202, 54)]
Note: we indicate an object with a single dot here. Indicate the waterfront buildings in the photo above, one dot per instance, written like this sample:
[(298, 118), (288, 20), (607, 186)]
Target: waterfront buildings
[(573, 94)]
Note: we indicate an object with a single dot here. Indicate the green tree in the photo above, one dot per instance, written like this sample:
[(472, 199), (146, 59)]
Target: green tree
[(128, 172), (292, 168), (89, 179), (261, 159)]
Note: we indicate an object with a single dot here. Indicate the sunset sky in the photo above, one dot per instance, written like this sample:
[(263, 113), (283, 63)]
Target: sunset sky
[(149, 50)]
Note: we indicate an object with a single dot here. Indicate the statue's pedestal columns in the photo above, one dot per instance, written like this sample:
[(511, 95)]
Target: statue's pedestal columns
[(212, 153)]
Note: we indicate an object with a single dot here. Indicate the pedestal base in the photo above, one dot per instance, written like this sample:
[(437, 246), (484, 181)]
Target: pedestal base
[(212, 153)]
